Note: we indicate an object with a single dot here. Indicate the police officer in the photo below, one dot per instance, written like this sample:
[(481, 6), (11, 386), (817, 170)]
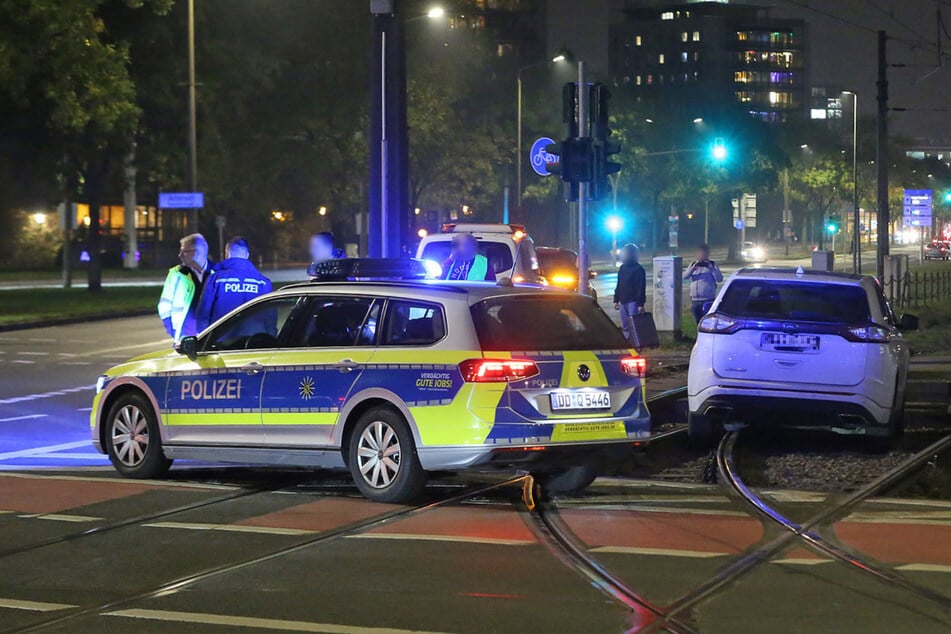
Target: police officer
[(704, 275), (234, 282), (183, 286), (465, 262)]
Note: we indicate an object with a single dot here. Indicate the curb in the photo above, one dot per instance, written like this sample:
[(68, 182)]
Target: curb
[(66, 321)]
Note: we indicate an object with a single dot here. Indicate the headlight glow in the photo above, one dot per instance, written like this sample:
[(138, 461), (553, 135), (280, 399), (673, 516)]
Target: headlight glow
[(101, 383)]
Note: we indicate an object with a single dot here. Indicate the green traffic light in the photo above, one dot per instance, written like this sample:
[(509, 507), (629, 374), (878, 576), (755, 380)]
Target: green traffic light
[(832, 228), (947, 197), (719, 150)]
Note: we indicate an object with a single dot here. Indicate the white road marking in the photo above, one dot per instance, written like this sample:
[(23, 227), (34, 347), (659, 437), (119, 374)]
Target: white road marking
[(636, 508), (34, 397), (925, 568), (248, 621), (158, 483), (150, 344), (36, 451), (84, 409), (75, 362), (232, 528), (33, 606), (27, 417), (33, 354), (636, 550), (23, 362), (41, 340), (65, 455), (443, 538)]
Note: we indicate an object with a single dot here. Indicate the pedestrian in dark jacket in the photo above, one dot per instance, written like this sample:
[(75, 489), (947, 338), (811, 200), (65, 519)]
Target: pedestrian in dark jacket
[(630, 295), (234, 282)]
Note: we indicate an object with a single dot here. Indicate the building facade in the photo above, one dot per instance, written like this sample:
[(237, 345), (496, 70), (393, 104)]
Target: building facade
[(677, 56)]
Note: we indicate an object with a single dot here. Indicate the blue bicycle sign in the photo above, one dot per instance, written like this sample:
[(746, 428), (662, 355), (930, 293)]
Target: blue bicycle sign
[(540, 158)]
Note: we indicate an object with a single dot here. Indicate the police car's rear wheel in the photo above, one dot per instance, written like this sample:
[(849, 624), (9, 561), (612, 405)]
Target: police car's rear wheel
[(132, 438), (382, 458)]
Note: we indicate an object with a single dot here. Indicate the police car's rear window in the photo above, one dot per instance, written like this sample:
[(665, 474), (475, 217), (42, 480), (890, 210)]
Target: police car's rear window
[(796, 301), (498, 254), (544, 323)]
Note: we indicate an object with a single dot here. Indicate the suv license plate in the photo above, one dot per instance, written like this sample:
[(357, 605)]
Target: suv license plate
[(788, 342), (580, 400)]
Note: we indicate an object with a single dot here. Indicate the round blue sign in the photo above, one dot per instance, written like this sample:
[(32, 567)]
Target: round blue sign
[(739, 224), (540, 158)]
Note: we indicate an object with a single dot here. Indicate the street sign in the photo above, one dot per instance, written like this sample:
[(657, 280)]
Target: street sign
[(918, 206), (739, 224), (540, 158), (181, 200)]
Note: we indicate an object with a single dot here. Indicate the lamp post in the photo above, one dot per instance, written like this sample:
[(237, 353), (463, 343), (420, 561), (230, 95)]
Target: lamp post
[(561, 57), (856, 221), (192, 123)]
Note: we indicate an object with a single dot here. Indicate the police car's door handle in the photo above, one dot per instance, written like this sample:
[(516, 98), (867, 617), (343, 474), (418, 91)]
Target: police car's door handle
[(252, 368), (346, 365)]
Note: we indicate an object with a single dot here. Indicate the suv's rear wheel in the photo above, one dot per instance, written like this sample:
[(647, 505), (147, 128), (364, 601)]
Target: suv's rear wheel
[(133, 440), (382, 458), (702, 430)]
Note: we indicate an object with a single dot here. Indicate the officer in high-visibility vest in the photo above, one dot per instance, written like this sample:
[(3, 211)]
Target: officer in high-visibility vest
[(466, 263), (183, 286)]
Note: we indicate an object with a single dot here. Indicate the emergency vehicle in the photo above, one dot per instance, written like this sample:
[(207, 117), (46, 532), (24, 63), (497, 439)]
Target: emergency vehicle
[(388, 378)]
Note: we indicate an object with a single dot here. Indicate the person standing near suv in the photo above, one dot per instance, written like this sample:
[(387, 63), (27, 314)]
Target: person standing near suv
[(704, 275), (630, 294)]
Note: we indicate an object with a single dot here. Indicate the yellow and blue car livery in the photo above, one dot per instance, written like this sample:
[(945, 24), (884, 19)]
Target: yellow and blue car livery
[(472, 375)]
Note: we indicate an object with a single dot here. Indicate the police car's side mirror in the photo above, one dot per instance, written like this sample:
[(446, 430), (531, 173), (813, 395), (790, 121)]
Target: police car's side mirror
[(188, 346)]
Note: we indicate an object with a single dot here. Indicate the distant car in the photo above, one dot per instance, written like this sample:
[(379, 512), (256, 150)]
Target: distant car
[(509, 248), (937, 250), (753, 252), (389, 379), (559, 267), (802, 349)]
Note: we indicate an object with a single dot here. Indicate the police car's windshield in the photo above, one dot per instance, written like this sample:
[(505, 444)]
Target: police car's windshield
[(796, 301), (547, 322), (498, 254)]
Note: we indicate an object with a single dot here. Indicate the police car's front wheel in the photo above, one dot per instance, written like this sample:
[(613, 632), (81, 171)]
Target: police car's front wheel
[(382, 458), (132, 438)]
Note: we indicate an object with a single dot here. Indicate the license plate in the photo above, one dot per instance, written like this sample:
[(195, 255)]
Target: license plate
[(785, 342), (580, 400)]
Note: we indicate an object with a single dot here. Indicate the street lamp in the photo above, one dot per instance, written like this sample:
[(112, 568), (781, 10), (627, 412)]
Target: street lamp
[(698, 120), (856, 222), (435, 13), (614, 226), (557, 59)]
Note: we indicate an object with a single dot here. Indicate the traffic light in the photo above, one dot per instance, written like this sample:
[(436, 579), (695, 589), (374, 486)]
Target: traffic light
[(604, 148), (574, 163), (832, 226), (719, 151), (947, 197)]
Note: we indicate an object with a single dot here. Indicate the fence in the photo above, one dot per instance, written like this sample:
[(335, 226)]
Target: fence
[(918, 288)]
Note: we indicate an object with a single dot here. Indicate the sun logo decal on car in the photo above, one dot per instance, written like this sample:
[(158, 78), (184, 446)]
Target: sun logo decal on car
[(306, 388)]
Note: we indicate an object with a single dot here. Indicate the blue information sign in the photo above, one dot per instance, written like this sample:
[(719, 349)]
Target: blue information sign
[(540, 158), (917, 208), (181, 200)]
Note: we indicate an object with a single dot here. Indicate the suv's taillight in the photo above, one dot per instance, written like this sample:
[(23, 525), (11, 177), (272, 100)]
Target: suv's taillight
[(719, 324), (634, 366), (867, 334), (497, 370)]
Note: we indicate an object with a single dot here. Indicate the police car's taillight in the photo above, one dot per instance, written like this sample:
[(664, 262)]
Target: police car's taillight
[(635, 366), (497, 370)]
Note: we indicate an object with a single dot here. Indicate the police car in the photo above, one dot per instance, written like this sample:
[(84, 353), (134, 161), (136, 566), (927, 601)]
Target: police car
[(388, 378)]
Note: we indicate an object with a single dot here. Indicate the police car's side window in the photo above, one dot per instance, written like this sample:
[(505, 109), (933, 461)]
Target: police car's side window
[(411, 323), (259, 326), (333, 322)]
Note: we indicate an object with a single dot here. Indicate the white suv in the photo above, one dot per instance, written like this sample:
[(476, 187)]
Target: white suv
[(508, 248), (799, 348)]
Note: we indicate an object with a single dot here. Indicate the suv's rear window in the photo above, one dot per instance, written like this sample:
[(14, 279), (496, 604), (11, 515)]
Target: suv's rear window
[(796, 301), (544, 323), (499, 254)]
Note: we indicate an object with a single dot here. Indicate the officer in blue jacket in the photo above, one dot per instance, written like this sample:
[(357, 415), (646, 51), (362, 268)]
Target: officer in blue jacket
[(234, 282)]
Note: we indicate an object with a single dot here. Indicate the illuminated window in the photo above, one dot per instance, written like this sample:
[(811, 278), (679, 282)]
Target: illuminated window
[(683, 56), (650, 80), (667, 15), (696, 56), (696, 36), (742, 36), (660, 58), (637, 40), (637, 80), (684, 36)]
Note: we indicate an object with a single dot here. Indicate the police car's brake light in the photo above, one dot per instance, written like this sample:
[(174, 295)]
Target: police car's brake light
[(497, 370), (635, 366)]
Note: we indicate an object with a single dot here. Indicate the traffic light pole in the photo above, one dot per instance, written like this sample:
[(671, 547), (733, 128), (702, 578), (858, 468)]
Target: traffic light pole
[(881, 158), (583, 263)]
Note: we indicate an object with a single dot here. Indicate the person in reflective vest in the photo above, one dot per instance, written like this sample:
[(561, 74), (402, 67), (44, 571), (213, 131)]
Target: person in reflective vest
[(183, 285), (465, 262)]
